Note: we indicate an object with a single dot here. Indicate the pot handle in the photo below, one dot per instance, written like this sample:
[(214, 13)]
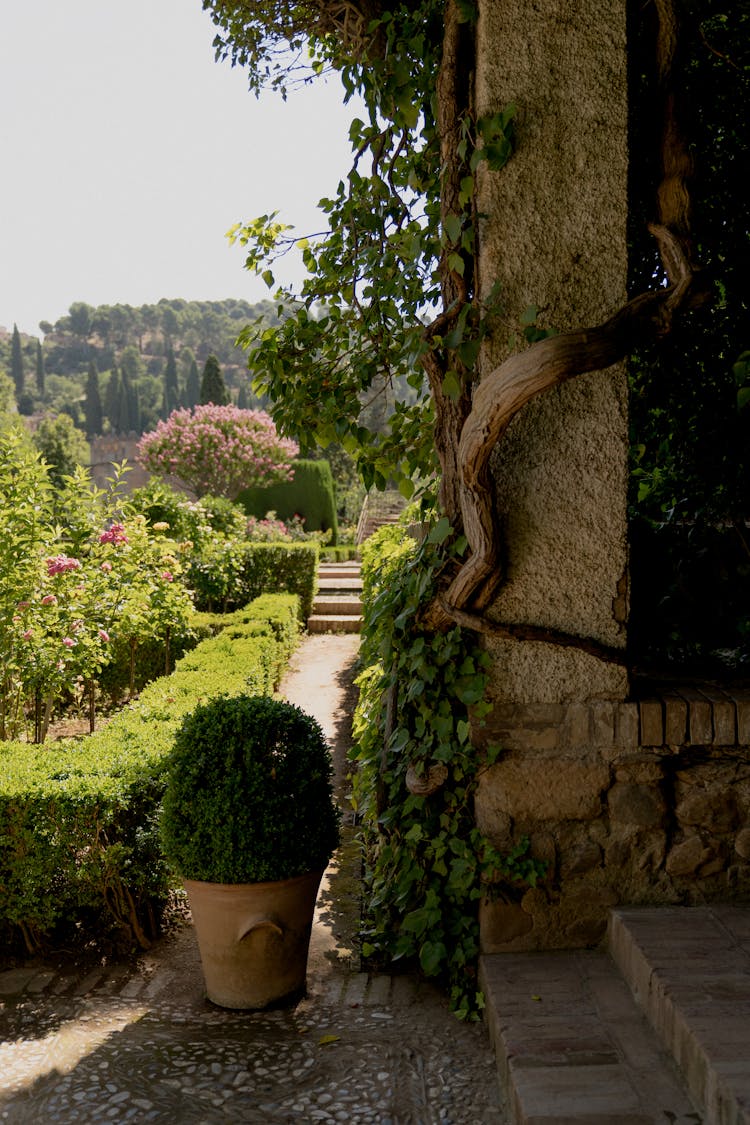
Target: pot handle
[(262, 922)]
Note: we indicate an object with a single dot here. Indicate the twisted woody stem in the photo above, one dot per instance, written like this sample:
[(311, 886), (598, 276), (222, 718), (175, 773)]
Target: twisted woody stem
[(553, 361)]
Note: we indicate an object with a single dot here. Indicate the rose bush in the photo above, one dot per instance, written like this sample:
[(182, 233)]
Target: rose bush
[(70, 594)]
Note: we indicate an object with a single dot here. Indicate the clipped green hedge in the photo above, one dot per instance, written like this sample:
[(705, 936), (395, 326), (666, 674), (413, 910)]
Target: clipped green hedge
[(343, 553), (254, 569), (79, 836), (281, 567), (310, 495)]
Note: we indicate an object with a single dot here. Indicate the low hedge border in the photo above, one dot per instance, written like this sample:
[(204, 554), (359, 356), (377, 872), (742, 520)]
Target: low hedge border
[(79, 841)]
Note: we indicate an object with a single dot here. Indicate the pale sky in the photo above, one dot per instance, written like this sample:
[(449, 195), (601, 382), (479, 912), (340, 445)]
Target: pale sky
[(128, 152)]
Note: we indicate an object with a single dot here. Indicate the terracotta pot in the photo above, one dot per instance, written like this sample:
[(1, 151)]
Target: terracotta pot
[(253, 938)]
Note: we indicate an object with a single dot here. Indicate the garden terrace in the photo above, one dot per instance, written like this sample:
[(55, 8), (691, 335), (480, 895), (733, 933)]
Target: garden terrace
[(78, 818)]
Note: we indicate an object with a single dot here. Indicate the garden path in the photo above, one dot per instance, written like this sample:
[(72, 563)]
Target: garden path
[(140, 1043)]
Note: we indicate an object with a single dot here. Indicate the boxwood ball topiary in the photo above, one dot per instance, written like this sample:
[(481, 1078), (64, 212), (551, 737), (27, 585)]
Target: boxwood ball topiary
[(249, 796)]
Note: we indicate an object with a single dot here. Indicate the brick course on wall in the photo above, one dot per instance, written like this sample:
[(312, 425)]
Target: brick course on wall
[(636, 802)]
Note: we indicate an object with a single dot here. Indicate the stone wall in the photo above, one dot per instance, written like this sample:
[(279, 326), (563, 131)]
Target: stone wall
[(553, 235), (114, 449), (628, 803)]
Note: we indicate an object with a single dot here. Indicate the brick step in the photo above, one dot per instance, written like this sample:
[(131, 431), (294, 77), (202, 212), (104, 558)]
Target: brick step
[(345, 604), (334, 623), (572, 1046), (689, 969)]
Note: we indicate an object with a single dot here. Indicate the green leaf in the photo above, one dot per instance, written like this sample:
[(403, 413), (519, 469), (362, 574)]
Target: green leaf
[(440, 532), (431, 957), (453, 225), (451, 386), (456, 263)]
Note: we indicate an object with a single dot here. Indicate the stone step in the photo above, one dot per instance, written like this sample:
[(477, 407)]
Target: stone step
[(572, 1046), (343, 604), (334, 623), (339, 570), (327, 585), (689, 969)]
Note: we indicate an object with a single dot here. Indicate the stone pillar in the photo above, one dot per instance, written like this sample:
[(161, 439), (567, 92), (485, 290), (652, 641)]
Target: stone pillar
[(553, 233)]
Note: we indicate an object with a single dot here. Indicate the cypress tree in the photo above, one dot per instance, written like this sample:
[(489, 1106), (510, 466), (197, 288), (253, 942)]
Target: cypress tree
[(93, 402), (134, 408), (242, 397), (112, 400), (213, 387), (16, 362), (40, 373), (193, 386), (171, 386), (123, 405)]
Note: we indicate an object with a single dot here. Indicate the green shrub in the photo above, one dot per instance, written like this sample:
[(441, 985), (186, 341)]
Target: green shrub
[(235, 573), (339, 554), (310, 495), (78, 819), (249, 796), (280, 567)]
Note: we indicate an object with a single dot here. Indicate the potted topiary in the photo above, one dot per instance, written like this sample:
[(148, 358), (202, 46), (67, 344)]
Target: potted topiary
[(249, 823)]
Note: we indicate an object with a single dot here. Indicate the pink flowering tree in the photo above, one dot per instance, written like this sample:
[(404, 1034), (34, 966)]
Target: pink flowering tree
[(218, 450)]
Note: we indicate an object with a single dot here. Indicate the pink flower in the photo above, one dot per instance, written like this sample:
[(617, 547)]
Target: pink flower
[(104, 635), (167, 575), (68, 642), (60, 563), (106, 567), (115, 533), (23, 605), (28, 634), (49, 599)]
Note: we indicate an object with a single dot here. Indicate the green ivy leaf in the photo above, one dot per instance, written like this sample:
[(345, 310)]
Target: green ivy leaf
[(452, 386)]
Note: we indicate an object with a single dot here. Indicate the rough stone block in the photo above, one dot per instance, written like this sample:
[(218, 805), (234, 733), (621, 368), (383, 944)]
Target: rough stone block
[(549, 788), (742, 843), (700, 724), (626, 725), (687, 857), (602, 723), (501, 923), (577, 725), (582, 857), (652, 722), (742, 705), (636, 804), (724, 719), (675, 720), (714, 809), (522, 726)]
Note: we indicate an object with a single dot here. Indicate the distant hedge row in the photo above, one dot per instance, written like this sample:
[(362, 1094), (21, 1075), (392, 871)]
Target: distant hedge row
[(309, 494), (78, 819)]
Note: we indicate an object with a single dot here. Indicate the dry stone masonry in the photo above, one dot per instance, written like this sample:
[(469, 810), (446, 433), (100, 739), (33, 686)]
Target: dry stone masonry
[(640, 802)]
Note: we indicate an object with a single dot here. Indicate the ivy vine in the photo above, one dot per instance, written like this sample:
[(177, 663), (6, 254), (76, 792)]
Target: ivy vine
[(427, 863)]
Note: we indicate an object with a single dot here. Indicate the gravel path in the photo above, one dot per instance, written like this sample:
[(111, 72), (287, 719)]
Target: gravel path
[(140, 1043)]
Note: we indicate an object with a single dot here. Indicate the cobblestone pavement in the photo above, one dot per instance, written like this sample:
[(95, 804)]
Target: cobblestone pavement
[(140, 1043), (147, 1047)]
